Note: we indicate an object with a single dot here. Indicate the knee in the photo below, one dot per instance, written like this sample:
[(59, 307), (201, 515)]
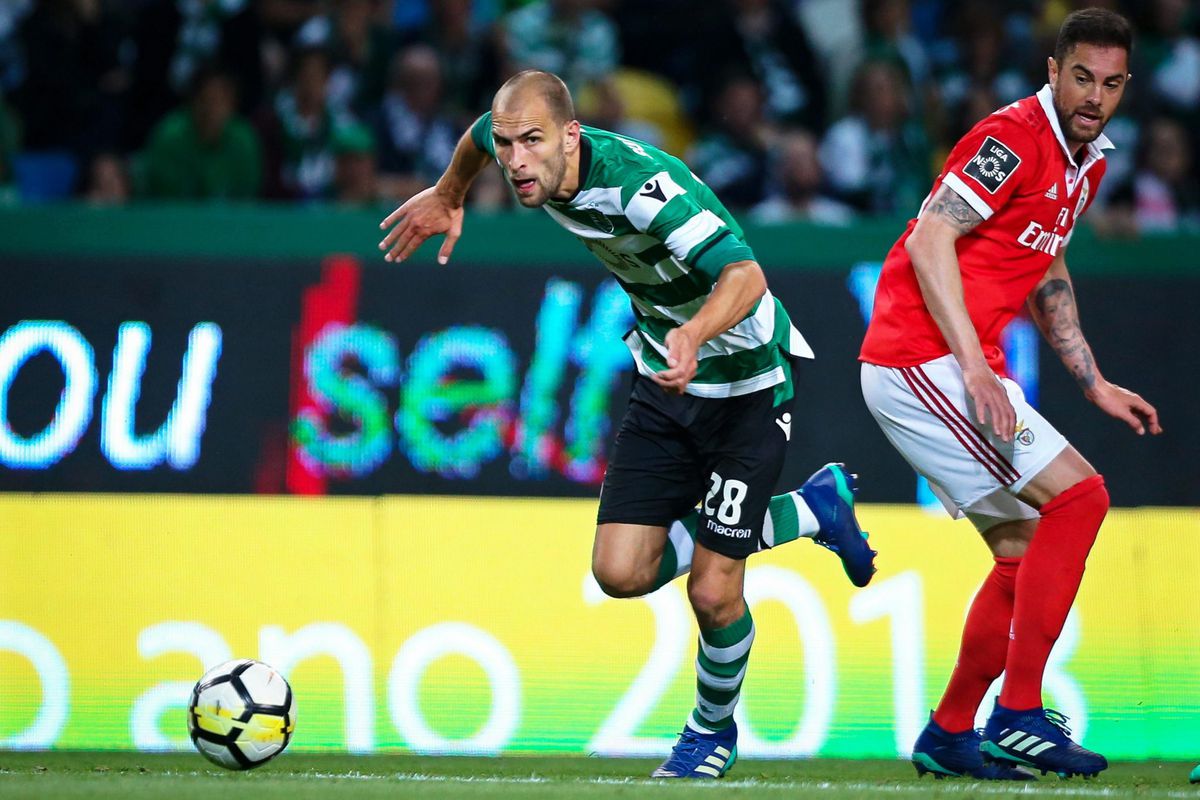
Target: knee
[(1101, 494), (1014, 548), (1088, 499), (715, 604), (620, 578), (1010, 539), (1099, 502)]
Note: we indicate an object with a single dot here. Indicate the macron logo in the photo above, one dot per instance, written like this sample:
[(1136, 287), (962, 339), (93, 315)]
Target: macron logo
[(785, 425)]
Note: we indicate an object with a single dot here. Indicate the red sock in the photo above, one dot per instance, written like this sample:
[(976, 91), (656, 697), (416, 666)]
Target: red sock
[(1047, 582), (984, 648)]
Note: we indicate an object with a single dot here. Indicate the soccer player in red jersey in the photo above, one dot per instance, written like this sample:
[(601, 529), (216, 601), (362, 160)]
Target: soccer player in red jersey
[(991, 237)]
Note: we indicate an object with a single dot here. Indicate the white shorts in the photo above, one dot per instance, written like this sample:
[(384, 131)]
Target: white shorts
[(925, 413)]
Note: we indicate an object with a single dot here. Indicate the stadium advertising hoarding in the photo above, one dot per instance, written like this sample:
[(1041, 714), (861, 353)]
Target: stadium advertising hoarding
[(473, 626), (318, 378), (339, 377)]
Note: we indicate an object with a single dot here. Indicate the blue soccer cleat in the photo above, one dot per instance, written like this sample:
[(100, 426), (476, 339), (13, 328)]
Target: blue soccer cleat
[(1038, 738), (956, 755), (830, 495), (700, 755), (1195, 776)]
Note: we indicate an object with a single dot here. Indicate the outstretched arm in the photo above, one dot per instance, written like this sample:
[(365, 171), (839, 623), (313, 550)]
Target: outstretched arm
[(931, 246), (438, 209), (740, 285), (1052, 306)]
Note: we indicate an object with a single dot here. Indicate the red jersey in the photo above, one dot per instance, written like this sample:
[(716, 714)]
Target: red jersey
[(1015, 170)]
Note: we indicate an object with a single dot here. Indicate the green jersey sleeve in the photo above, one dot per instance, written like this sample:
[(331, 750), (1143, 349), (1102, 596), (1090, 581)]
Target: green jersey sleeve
[(481, 134), (680, 218)]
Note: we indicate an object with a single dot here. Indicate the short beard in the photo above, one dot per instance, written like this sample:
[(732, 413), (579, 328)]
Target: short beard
[(1085, 137), (558, 171)]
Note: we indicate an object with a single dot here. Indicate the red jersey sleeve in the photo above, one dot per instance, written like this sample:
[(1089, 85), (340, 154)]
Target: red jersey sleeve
[(988, 165)]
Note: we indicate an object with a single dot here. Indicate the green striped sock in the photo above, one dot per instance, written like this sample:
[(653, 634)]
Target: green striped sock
[(788, 519), (677, 552), (720, 669)]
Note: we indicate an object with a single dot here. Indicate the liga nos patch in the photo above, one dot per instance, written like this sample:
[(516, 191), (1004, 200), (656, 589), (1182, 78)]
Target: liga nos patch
[(992, 165)]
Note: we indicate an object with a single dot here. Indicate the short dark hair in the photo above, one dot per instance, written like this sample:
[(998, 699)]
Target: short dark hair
[(549, 86), (1097, 26)]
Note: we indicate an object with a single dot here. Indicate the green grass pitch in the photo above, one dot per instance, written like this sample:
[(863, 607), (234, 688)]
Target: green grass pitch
[(301, 776)]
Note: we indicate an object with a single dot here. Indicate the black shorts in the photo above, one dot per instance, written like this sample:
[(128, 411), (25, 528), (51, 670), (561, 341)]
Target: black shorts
[(674, 452)]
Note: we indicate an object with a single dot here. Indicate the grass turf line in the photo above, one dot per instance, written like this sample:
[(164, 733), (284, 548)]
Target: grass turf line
[(303, 776)]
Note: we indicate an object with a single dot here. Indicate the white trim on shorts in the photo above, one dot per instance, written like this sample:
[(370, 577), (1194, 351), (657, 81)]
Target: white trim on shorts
[(925, 413)]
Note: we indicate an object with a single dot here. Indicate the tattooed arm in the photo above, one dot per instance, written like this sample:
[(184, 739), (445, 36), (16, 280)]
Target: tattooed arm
[(1052, 306), (931, 246)]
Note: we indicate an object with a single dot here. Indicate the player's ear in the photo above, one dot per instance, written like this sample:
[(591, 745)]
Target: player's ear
[(571, 132), (1052, 69)]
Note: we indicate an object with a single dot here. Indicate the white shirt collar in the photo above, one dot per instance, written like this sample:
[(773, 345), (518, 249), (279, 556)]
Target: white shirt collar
[(1096, 149)]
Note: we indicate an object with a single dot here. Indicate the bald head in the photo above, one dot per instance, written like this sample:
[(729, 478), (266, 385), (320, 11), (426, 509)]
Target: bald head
[(537, 137), (534, 84)]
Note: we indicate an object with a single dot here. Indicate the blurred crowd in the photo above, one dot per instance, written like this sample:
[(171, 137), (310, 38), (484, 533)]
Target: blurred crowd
[(820, 110)]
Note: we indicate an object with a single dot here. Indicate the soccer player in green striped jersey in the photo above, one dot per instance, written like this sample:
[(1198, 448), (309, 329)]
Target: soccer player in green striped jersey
[(688, 486)]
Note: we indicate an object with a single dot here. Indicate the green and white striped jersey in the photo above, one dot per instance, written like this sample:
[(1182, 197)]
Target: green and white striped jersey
[(666, 237)]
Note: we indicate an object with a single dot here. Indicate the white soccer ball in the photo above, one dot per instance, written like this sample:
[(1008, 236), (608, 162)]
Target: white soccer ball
[(241, 714)]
